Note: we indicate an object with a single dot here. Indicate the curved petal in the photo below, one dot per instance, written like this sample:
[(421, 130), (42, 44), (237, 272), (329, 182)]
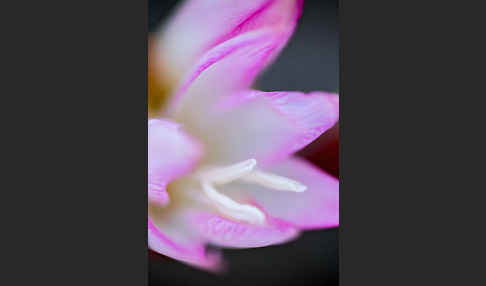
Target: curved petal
[(199, 25), (267, 126), (171, 153), (228, 233), (317, 207), (229, 67), (193, 254)]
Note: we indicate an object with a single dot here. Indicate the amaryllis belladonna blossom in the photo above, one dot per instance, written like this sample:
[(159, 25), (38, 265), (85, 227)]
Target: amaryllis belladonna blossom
[(221, 169)]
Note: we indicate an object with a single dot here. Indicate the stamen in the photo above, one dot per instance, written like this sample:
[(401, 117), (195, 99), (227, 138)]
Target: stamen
[(244, 171), (233, 209), (228, 174), (275, 182)]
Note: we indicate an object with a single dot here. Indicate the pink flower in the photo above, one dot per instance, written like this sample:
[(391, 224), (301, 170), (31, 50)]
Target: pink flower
[(221, 169)]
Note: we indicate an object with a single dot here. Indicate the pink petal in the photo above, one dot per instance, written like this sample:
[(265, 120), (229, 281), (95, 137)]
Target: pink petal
[(200, 25), (228, 67), (193, 254), (228, 233), (171, 153), (317, 207), (266, 126)]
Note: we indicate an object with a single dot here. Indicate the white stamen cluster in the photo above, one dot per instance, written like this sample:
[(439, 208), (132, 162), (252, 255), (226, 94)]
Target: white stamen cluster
[(244, 171)]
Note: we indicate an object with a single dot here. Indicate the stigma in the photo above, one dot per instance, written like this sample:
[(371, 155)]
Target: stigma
[(245, 171)]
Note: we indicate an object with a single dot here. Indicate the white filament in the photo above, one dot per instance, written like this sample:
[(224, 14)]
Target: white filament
[(244, 171), (227, 174), (274, 182), (233, 209)]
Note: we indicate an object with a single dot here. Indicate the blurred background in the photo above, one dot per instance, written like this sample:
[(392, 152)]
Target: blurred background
[(309, 62)]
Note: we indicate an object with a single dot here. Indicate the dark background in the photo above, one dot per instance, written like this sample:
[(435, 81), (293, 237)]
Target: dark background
[(309, 62), (76, 200)]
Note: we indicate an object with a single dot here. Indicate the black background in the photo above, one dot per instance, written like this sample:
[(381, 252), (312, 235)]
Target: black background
[(309, 62)]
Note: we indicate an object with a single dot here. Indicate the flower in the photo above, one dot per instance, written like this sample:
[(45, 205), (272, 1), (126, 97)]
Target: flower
[(221, 169)]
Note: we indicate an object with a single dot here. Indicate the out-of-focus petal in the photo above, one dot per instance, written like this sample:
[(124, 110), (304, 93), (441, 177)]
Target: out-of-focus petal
[(317, 207), (193, 253), (159, 88), (199, 25), (171, 153), (229, 233), (267, 126)]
